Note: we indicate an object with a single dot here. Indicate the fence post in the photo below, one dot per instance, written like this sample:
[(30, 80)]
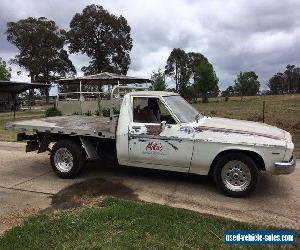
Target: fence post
[(80, 97), (264, 104)]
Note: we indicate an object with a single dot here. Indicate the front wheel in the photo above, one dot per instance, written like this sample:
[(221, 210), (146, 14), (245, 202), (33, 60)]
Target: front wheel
[(236, 174), (67, 158)]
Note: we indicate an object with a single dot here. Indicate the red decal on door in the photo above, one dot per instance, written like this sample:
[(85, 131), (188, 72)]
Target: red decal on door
[(154, 147)]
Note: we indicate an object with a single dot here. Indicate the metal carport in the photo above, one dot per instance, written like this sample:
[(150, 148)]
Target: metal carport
[(14, 88)]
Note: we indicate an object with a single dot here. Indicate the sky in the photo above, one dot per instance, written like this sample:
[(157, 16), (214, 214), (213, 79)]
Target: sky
[(261, 36)]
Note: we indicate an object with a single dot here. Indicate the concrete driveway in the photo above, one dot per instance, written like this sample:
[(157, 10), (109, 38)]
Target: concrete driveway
[(27, 182)]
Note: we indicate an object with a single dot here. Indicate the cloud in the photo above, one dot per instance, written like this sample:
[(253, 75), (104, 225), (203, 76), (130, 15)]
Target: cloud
[(234, 35)]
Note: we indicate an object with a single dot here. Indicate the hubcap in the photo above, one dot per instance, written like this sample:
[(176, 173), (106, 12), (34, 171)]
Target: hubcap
[(63, 160), (236, 175)]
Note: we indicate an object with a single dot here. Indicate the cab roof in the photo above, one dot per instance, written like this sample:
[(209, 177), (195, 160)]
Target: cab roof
[(152, 93)]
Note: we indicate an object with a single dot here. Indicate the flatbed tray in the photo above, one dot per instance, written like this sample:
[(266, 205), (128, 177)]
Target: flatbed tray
[(95, 126)]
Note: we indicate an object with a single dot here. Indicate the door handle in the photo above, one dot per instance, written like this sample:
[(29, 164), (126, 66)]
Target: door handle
[(136, 127)]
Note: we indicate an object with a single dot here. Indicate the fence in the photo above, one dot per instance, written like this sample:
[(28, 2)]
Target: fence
[(85, 102)]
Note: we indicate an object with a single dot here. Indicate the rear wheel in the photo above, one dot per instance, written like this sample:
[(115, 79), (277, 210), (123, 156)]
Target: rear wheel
[(67, 158), (236, 174)]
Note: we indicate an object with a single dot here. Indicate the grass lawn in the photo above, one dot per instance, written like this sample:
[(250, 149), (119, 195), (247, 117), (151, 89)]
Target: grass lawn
[(120, 224), (11, 135)]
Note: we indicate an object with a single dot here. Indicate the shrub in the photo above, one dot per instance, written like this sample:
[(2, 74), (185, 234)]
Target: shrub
[(116, 112), (53, 111), (97, 112), (226, 98), (106, 112), (89, 113)]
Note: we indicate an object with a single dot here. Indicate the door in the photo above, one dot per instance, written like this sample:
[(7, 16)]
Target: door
[(156, 138)]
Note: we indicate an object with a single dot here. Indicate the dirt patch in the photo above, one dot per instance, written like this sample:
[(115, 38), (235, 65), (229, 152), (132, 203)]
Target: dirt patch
[(17, 218), (84, 192), (9, 146)]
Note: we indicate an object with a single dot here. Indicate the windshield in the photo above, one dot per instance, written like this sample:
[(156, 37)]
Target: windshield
[(182, 109)]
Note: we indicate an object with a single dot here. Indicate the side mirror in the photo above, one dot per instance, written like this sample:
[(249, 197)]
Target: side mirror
[(163, 125)]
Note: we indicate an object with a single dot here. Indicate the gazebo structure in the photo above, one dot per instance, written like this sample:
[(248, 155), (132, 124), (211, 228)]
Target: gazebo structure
[(9, 91), (92, 100)]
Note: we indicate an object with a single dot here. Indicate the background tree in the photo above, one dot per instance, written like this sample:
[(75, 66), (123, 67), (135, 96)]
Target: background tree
[(57, 67), (184, 67), (190, 93), (290, 78), (215, 91), (287, 82), (4, 72), (205, 81), (41, 49), (177, 67), (246, 84), (103, 37), (158, 80), (194, 60), (228, 92), (204, 76), (276, 84)]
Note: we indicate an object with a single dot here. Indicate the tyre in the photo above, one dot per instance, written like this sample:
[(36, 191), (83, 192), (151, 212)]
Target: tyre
[(236, 174), (67, 159)]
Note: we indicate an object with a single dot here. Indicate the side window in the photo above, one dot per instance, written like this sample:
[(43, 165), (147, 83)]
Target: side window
[(150, 110), (165, 114)]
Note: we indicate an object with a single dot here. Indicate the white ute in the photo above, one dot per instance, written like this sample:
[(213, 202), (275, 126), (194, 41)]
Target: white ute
[(160, 130)]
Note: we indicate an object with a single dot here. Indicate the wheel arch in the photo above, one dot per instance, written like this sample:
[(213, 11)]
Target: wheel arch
[(255, 156)]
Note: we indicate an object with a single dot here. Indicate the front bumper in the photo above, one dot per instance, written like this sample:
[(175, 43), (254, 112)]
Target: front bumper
[(284, 167)]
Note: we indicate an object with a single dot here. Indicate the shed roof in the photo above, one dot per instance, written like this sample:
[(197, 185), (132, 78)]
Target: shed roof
[(104, 78), (18, 87)]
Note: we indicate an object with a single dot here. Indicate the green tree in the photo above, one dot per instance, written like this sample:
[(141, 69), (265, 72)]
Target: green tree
[(41, 49), (246, 84), (184, 67), (205, 81), (292, 79), (177, 67), (276, 84), (158, 80), (228, 92), (287, 82), (190, 93), (4, 72), (103, 37), (204, 76), (195, 59)]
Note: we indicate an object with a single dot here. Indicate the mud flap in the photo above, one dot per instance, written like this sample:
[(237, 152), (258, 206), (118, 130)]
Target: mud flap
[(32, 146), (34, 143), (44, 143)]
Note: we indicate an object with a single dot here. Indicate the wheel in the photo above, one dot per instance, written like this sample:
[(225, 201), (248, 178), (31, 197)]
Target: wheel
[(236, 174), (67, 159)]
